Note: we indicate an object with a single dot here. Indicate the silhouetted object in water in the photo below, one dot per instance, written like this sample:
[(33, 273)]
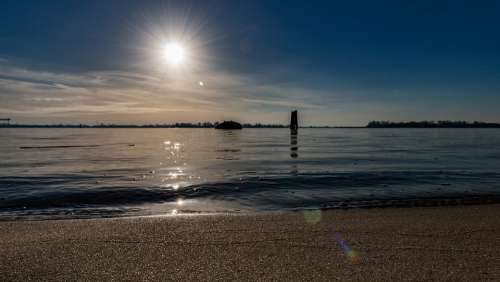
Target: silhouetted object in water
[(294, 124), (5, 120), (229, 125)]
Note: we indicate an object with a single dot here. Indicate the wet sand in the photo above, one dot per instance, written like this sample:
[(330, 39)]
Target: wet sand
[(460, 243)]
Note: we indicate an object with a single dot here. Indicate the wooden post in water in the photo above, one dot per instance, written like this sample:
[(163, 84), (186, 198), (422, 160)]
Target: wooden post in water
[(294, 124), (294, 127)]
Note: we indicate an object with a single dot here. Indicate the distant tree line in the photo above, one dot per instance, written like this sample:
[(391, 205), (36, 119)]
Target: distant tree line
[(372, 124), (432, 124), (171, 125), (260, 125)]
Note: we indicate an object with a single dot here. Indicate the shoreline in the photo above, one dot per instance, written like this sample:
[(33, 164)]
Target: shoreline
[(353, 205), (420, 243)]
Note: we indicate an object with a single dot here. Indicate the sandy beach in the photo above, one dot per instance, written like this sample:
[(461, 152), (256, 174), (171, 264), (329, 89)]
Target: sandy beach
[(459, 243)]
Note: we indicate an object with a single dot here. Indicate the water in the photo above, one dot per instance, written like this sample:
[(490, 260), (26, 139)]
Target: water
[(80, 173)]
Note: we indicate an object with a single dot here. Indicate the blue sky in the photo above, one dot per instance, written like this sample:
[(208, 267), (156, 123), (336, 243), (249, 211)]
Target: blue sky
[(338, 62)]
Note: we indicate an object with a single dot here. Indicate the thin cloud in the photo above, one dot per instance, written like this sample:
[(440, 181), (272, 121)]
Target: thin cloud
[(31, 93)]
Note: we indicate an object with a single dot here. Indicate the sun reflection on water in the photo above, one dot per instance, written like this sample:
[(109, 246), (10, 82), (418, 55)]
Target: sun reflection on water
[(173, 175)]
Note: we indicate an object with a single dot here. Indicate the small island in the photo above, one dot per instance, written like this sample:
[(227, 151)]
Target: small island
[(229, 125)]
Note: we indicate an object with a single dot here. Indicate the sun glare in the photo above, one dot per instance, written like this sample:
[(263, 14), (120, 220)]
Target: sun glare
[(174, 54)]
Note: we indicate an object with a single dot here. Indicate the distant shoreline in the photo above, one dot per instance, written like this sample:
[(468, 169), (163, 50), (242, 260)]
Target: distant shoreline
[(372, 124), (304, 127), (150, 126), (432, 124)]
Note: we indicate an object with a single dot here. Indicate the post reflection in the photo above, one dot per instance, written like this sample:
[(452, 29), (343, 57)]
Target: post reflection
[(294, 147), (294, 151)]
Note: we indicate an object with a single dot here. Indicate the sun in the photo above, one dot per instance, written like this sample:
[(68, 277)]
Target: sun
[(174, 53)]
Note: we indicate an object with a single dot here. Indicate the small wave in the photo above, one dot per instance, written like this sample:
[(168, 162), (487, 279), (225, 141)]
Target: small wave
[(333, 190), (72, 146), (58, 146)]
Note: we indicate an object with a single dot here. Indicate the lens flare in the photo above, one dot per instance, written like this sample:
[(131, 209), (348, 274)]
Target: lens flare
[(312, 216), (347, 250)]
